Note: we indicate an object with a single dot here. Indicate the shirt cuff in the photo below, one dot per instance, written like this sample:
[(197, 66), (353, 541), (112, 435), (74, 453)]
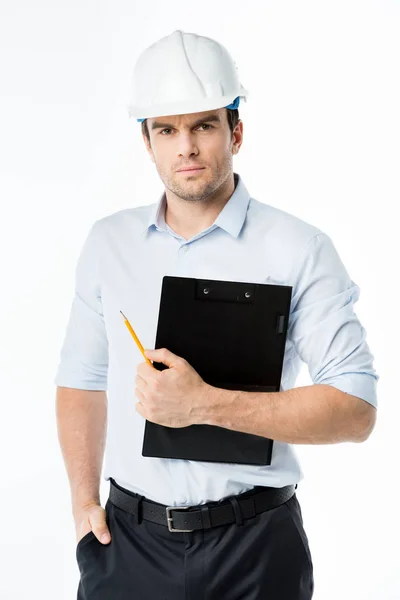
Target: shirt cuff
[(362, 385)]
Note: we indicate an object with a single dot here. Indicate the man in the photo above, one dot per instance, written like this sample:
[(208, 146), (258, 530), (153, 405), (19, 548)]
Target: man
[(237, 530)]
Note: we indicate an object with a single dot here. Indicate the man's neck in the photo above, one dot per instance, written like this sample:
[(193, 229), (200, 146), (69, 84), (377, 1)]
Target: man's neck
[(188, 218)]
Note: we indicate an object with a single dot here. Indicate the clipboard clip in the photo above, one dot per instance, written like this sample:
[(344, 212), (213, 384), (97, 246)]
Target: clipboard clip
[(225, 291), (281, 324), (232, 291)]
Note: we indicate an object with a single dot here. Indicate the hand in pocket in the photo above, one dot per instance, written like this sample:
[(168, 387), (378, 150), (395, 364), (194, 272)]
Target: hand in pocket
[(92, 517)]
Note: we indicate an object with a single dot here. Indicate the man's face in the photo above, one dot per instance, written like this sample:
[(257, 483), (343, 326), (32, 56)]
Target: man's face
[(201, 139)]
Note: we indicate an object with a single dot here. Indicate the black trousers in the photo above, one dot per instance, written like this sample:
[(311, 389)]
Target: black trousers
[(265, 558)]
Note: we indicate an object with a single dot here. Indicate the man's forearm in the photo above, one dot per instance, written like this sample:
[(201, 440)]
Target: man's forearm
[(315, 414), (81, 423)]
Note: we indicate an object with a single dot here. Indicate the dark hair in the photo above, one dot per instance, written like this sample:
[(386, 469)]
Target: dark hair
[(232, 116)]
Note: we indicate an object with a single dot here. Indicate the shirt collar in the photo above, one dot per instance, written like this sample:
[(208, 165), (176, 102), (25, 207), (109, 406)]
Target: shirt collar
[(231, 217)]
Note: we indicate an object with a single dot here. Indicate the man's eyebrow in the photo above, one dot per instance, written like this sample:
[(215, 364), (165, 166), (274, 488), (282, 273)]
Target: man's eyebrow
[(211, 118)]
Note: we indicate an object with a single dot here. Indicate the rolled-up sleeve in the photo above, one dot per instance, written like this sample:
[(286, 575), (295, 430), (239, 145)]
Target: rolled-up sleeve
[(323, 327), (84, 352)]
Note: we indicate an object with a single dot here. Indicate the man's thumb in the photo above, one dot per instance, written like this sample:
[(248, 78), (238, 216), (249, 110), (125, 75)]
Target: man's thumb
[(99, 525), (162, 355), (105, 537)]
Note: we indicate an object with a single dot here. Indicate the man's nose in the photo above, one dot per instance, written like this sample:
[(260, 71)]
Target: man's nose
[(187, 144)]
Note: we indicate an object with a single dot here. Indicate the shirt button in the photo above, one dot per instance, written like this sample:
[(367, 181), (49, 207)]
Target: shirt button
[(183, 499), (184, 248)]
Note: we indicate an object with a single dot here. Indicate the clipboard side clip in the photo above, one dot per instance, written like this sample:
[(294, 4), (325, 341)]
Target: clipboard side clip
[(281, 324)]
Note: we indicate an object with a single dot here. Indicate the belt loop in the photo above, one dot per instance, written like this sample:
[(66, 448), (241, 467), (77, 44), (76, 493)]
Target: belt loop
[(205, 517), (237, 511), (137, 517)]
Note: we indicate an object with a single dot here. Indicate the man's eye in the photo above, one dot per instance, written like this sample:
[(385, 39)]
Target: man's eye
[(202, 125)]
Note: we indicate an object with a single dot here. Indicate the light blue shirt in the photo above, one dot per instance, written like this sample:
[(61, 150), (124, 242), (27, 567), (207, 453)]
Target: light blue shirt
[(121, 266)]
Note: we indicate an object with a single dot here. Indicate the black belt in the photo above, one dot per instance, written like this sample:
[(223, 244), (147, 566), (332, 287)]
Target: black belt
[(203, 516)]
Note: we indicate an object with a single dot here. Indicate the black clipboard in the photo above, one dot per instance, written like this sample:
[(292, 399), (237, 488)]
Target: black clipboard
[(233, 334)]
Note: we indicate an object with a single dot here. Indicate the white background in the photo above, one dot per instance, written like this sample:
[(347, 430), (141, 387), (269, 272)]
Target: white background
[(321, 141)]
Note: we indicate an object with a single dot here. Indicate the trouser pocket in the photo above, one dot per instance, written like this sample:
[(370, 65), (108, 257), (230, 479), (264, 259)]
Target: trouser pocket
[(92, 558), (294, 510)]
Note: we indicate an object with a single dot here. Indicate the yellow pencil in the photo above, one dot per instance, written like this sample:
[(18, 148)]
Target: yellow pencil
[(135, 337)]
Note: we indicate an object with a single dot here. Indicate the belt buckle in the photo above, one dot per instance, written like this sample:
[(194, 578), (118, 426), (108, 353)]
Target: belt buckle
[(169, 518)]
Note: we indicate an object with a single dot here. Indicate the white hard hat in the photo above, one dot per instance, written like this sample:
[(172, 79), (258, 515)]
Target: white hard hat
[(184, 73)]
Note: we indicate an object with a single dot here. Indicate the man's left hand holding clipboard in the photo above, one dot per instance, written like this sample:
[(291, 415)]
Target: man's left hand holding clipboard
[(173, 397)]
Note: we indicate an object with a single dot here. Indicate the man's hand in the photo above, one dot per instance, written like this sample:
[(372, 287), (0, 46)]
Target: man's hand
[(173, 397), (91, 517)]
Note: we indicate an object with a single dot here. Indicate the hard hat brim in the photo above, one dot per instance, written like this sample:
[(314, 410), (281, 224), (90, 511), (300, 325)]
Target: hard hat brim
[(185, 107)]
